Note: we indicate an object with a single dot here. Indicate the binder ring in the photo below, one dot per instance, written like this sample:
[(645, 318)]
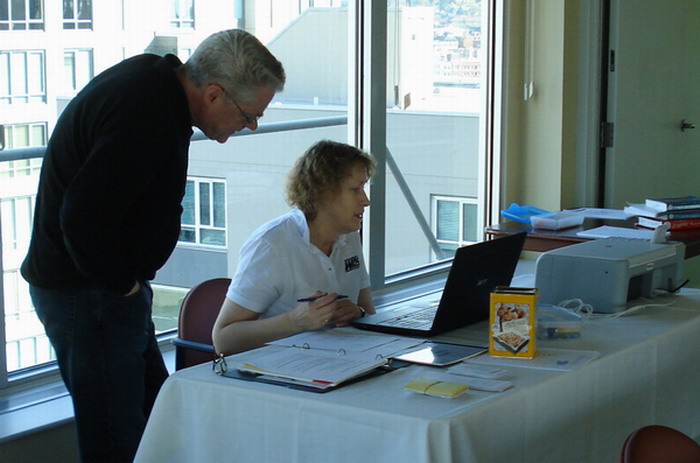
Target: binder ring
[(219, 365)]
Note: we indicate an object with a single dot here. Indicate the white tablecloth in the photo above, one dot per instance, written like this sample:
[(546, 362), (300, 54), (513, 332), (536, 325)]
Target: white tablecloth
[(648, 372)]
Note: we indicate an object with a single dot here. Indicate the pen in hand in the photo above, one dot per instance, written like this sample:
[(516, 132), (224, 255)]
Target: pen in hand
[(311, 299)]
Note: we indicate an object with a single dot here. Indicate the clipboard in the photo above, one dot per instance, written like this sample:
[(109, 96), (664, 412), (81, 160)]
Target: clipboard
[(236, 374), (306, 368), (291, 384)]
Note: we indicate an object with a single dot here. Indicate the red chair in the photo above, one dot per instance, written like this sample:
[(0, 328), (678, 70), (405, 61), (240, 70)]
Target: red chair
[(198, 311), (659, 444)]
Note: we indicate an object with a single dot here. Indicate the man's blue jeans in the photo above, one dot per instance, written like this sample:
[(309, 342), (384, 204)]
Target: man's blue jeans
[(109, 359)]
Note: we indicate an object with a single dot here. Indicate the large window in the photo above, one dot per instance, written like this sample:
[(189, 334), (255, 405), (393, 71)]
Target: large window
[(415, 100), (434, 123)]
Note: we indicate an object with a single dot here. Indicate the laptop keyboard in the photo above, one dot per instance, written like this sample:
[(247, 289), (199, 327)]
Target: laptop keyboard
[(420, 318)]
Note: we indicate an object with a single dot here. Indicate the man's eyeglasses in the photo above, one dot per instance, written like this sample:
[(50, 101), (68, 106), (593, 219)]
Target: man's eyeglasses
[(248, 119)]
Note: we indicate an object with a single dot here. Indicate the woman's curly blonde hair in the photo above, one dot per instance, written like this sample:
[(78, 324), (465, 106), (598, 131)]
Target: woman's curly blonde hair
[(319, 171)]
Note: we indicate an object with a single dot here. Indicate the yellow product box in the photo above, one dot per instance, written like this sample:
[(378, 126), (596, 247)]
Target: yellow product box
[(512, 322)]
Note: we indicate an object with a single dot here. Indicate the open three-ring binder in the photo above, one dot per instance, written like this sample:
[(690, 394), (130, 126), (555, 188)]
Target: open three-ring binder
[(303, 367)]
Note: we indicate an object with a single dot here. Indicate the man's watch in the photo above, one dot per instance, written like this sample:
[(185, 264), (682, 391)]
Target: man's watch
[(363, 312)]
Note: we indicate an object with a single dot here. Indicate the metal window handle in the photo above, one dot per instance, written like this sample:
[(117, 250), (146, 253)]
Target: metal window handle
[(686, 125)]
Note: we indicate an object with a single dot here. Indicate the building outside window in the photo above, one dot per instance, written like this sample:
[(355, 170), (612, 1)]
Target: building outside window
[(204, 212), (21, 15), (22, 77), (77, 14)]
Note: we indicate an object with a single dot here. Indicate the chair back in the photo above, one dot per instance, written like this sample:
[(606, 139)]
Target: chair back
[(198, 313), (659, 444)]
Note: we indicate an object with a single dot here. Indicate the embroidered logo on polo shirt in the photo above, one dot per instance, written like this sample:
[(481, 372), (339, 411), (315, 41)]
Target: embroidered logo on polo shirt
[(352, 263)]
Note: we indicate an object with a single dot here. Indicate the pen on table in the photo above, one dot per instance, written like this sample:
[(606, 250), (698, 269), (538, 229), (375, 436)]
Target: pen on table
[(311, 299)]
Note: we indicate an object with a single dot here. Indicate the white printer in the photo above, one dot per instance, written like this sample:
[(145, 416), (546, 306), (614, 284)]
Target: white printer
[(608, 273)]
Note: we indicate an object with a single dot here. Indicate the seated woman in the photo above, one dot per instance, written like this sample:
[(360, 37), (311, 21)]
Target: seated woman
[(303, 270)]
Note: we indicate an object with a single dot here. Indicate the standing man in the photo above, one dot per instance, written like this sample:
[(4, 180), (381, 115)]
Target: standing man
[(108, 217)]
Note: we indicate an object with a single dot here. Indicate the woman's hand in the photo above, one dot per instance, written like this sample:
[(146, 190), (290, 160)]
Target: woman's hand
[(345, 312), (316, 314)]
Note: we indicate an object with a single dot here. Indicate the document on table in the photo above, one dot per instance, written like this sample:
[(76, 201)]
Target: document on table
[(545, 359)]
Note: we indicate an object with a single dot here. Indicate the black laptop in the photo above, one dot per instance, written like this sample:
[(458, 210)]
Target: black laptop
[(476, 270)]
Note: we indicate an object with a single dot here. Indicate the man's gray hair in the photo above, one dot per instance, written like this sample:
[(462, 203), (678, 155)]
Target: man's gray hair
[(236, 60)]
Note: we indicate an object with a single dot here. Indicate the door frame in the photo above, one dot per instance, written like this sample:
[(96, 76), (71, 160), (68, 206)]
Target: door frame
[(592, 102)]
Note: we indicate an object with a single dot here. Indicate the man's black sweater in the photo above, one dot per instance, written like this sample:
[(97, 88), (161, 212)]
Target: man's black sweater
[(113, 177)]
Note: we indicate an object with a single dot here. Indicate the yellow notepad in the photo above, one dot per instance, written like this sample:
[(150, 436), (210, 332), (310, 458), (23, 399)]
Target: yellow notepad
[(437, 388)]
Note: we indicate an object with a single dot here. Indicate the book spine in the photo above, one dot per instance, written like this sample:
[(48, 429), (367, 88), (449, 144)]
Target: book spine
[(678, 205), (676, 215), (682, 206), (678, 224)]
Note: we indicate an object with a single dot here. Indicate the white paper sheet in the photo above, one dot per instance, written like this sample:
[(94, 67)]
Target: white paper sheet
[(601, 213), (545, 359), (607, 231)]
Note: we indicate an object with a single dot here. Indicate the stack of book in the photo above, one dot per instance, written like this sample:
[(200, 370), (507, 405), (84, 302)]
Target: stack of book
[(680, 212)]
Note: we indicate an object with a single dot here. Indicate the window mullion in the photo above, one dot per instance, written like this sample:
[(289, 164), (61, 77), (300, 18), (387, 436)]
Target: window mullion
[(3, 343), (374, 129)]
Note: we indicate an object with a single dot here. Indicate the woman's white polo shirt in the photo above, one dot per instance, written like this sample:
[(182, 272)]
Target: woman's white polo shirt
[(278, 265)]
